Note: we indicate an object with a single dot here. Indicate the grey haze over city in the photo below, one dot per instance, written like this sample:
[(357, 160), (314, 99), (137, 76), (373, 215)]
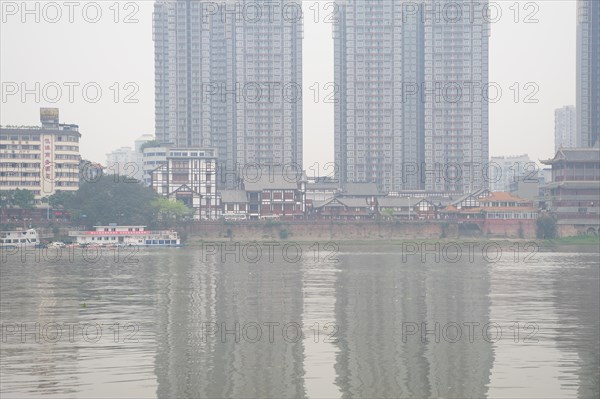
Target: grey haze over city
[(527, 44), (300, 199)]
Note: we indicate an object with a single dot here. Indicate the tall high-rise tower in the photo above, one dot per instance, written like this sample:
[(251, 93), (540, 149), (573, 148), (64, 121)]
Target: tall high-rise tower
[(411, 113), (588, 73), (229, 75), (457, 115)]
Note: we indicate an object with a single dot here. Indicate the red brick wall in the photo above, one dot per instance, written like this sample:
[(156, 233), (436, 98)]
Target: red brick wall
[(509, 228)]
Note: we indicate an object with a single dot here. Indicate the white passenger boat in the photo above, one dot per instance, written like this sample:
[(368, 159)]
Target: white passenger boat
[(113, 235), (19, 238)]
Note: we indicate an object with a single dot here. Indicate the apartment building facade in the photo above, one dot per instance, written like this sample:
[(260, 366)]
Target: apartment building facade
[(228, 75), (42, 159), (411, 79)]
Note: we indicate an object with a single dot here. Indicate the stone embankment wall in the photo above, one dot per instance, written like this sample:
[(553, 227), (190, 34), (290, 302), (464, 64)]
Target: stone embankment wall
[(318, 231)]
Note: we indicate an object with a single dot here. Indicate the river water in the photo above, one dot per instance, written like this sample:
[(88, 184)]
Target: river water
[(267, 321)]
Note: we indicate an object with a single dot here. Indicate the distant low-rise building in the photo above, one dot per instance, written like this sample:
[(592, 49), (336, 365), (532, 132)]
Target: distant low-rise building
[(129, 162), (189, 175), (504, 170), (42, 159), (573, 196), (122, 162)]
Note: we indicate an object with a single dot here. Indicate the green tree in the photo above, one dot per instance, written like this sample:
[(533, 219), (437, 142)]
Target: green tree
[(6, 198), (546, 227), (113, 199), (23, 198), (168, 210), (62, 199)]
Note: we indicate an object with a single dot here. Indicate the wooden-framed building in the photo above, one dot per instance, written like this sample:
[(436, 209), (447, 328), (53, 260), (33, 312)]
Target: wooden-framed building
[(189, 175), (573, 196)]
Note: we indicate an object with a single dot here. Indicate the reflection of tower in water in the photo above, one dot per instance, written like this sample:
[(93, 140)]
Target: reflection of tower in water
[(577, 298), (459, 293), (185, 298), (216, 365), (377, 294)]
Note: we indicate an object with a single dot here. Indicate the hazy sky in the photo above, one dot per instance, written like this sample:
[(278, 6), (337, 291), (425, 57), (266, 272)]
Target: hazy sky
[(109, 55)]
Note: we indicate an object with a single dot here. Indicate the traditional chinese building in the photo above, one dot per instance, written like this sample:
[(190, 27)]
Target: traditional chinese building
[(573, 196), (341, 208), (407, 208), (234, 204), (499, 214), (277, 195)]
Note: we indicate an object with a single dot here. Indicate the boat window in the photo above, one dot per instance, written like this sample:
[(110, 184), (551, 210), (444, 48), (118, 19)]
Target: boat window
[(148, 242), (33, 240), (1, 241), (161, 242), (23, 240), (154, 242)]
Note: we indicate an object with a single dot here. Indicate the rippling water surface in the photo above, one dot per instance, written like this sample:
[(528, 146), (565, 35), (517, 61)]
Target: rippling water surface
[(362, 323)]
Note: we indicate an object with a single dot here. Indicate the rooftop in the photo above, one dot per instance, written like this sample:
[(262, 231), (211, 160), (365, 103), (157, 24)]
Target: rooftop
[(271, 182), (361, 189), (23, 129), (230, 196), (575, 155), (399, 201)]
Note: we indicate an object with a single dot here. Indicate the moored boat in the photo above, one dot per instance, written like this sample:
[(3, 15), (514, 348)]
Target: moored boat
[(19, 238), (113, 235)]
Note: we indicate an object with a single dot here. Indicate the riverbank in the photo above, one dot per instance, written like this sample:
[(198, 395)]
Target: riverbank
[(582, 244)]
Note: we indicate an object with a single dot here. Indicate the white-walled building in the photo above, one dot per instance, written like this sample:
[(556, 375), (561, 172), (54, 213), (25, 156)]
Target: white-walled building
[(190, 175)]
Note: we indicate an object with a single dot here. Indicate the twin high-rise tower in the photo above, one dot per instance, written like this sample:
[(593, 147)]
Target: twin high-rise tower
[(229, 76), (412, 112), (411, 84)]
